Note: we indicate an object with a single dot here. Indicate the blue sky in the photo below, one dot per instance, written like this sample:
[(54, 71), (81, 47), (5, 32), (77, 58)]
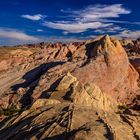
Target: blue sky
[(29, 21)]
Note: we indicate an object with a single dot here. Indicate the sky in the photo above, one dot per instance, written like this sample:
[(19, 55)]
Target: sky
[(31, 21)]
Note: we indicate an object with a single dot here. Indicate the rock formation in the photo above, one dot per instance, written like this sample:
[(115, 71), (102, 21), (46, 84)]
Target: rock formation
[(133, 50), (82, 90), (110, 68), (74, 111)]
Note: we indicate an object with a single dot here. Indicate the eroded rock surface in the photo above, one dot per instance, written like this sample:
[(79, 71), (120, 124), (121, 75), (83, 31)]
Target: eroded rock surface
[(75, 112), (110, 70), (133, 49), (82, 90)]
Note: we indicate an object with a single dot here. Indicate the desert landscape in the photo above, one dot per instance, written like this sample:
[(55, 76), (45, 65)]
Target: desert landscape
[(69, 70), (80, 90)]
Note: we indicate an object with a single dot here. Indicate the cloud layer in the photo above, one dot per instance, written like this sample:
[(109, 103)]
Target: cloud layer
[(15, 34), (98, 12), (91, 17), (129, 34), (75, 27)]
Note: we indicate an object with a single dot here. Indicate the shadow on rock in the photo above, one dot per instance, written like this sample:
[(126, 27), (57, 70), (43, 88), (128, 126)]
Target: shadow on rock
[(31, 80)]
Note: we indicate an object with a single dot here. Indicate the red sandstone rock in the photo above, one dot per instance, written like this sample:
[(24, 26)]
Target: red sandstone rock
[(103, 62), (110, 70)]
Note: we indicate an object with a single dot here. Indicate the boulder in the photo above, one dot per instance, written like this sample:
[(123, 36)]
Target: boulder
[(43, 102), (86, 95)]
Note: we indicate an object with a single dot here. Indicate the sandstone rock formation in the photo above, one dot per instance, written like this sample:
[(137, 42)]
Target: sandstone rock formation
[(110, 70), (85, 95), (103, 62), (82, 113), (82, 90), (133, 49)]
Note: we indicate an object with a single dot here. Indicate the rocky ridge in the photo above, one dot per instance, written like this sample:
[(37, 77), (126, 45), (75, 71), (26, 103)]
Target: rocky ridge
[(85, 90), (74, 111)]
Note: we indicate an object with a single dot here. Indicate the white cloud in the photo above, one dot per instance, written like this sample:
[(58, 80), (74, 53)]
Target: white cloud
[(111, 29), (33, 17), (96, 12), (65, 33), (120, 22), (16, 34), (39, 30), (91, 17), (77, 27), (10, 37), (129, 34)]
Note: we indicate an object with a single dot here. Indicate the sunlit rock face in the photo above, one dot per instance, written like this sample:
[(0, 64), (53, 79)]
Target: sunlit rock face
[(109, 68), (73, 111), (82, 90)]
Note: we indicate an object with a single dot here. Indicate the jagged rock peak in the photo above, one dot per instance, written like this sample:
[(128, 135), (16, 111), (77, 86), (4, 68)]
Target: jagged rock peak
[(106, 45), (109, 59), (103, 45), (106, 37)]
